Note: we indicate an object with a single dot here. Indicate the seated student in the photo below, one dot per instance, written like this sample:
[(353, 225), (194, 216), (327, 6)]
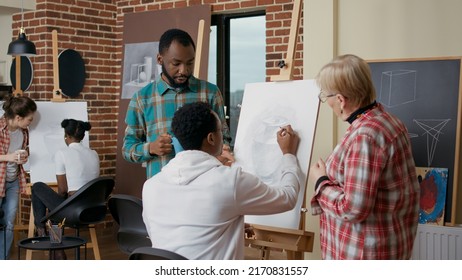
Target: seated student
[(75, 165), (196, 205)]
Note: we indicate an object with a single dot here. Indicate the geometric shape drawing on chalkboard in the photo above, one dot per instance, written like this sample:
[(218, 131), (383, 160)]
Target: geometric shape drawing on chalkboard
[(71, 73), (432, 129), (398, 87), (433, 185), (26, 75)]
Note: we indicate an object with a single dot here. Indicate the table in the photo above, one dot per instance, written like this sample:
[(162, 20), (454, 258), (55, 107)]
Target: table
[(43, 243)]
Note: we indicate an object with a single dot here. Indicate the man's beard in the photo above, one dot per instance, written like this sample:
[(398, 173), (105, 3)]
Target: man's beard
[(171, 81)]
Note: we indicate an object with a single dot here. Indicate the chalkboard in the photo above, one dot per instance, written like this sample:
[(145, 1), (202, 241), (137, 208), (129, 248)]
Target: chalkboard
[(425, 94)]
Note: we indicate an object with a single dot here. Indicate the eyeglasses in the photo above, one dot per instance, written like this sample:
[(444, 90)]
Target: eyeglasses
[(323, 98)]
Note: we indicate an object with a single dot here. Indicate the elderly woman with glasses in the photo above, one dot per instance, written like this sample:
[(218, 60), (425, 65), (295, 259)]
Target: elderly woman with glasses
[(366, 192)]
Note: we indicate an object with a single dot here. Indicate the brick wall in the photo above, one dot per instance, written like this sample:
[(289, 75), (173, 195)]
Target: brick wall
[(94, 29), (87, 27)]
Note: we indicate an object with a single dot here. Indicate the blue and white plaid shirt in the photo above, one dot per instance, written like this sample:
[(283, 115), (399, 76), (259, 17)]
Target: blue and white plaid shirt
[(150, 113)]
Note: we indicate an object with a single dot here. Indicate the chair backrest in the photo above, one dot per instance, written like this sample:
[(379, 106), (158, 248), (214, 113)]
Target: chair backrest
[(149, 253), (127, 211), (86, 206)]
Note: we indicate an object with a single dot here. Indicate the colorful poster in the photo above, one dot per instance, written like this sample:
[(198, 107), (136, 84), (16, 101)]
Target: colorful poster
[(433, 185)]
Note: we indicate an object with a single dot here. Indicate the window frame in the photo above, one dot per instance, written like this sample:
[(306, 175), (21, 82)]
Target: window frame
[(222, 22)]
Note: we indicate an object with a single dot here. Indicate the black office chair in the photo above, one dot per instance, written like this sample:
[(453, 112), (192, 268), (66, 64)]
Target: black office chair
[(85, 208), (149, 253), (127, 212)]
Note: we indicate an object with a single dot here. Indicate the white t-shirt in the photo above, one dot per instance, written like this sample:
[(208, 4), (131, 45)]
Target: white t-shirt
[(16, 139), (79, 163)]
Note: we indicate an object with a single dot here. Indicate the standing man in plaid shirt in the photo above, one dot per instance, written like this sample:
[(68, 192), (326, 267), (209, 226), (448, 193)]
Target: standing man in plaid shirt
[(367, 191), (150, 112)]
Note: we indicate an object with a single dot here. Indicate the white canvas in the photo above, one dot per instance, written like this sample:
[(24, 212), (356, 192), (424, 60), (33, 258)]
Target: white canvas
[(265, 108), (47, 136)]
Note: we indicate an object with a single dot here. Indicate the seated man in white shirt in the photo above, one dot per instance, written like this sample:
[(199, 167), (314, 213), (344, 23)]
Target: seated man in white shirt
[(196, 205)]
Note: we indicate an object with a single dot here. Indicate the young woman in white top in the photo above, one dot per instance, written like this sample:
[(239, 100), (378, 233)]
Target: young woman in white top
[(14, 142), (75, 166)]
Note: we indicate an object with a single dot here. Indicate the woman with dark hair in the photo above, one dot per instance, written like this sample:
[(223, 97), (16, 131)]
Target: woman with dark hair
[(75, 166), (14, 142)]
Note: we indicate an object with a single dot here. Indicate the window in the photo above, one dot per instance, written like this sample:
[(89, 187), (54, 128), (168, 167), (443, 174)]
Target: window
[(237, 56)]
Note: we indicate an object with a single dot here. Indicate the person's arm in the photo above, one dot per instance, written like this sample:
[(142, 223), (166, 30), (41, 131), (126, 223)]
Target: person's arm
[(136, 147), (62, 184), (355, 199), (256, 198), (13, 157)]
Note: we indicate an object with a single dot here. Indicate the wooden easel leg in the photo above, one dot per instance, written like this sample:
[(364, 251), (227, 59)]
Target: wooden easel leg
[(292, 255), (264, 253)]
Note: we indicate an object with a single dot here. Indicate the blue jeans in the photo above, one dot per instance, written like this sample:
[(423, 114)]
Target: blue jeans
[(9, 204), (43, 197)]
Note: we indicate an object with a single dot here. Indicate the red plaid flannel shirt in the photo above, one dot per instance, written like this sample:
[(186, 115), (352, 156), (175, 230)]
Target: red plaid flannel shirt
[(4, 144), (369, 207)]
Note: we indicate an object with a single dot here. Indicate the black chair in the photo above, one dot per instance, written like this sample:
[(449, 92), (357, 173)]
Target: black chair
[(3, 228), (149, 253), (85, 208), (127, 211)]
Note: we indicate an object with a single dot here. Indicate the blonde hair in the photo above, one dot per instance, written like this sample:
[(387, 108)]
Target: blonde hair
[(350, 76)]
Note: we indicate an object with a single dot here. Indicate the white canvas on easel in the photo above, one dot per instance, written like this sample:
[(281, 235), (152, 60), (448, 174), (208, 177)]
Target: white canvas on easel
[(266, 107), (47, 136)]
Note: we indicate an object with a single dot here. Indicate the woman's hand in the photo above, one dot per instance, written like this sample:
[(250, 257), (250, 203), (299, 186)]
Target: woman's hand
[(18, 157), (317, 170)]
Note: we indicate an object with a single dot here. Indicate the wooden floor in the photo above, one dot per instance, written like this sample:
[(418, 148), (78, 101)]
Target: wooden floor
[(109, 250)]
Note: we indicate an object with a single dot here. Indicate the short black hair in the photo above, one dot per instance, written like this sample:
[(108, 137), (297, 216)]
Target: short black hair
[(75, 128), (192, 123), (178, 35)]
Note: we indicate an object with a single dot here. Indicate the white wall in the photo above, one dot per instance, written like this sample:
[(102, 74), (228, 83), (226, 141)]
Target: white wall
[(372, 29), (7, 9), (5, 32)]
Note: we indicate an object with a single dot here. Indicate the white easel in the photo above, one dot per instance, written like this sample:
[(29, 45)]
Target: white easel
[(294, 241)]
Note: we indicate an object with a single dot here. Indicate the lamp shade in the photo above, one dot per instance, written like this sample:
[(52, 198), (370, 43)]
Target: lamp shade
[(22, 46)]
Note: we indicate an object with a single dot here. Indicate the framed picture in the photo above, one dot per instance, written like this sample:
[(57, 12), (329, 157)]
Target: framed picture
[(433, 185), (426, 95), (3, 77)]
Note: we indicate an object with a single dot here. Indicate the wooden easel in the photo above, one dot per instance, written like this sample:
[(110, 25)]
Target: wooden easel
[(287, 65), (200, 40), (57, 93), (57, 97), (267, 238), (17, 90)]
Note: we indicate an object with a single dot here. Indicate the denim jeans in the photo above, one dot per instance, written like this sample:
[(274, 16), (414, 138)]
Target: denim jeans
[(9, 204), (43, 197)]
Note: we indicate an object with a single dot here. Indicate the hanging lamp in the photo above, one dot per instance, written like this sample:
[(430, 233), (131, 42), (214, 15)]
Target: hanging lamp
[(22, 46)]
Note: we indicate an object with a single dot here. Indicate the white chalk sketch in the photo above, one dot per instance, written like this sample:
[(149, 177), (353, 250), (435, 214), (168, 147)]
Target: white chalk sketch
[(265, 108), (433, 128), (398, 87), (47, 136), (140, 67)]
